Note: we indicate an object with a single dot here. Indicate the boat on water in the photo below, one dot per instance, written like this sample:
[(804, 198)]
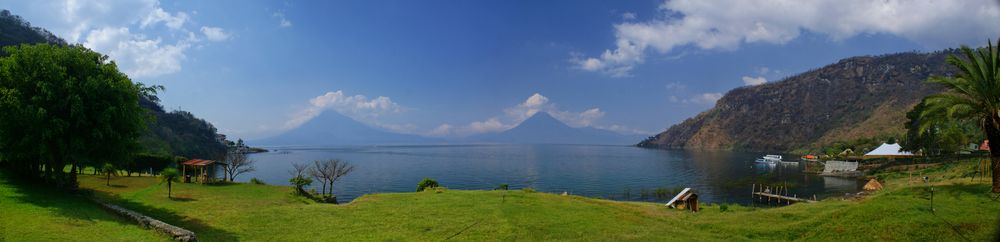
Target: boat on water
[(769, 159)]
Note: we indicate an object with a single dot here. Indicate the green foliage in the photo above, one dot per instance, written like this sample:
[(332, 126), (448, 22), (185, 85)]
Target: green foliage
[(528, 190), (723, 207), (973, 96), (299, 182), (426, 183), (932, 134), (170, 175), (65, 105), (503, 187), (256, 181)]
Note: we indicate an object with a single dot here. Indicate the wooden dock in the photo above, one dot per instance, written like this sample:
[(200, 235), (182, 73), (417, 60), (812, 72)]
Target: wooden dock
[(778, 194)]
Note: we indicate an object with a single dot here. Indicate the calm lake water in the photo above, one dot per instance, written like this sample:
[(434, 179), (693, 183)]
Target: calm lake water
[(615, 172)]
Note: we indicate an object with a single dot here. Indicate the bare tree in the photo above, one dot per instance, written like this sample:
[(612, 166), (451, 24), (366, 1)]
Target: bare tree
[(299, 170), (329, 172), (338, 169), (237, 163), (320, 171)]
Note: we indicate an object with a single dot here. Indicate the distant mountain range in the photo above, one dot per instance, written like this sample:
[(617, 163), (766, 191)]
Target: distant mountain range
[(855, 98), (332, 128), (542, 128)]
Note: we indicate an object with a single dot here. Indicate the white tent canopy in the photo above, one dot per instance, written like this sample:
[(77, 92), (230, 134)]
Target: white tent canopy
[(888, 150)]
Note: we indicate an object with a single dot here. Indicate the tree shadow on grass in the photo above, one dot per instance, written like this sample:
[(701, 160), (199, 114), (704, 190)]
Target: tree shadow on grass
[(76, 205), (201, 229), (65, 203), (183, 199)]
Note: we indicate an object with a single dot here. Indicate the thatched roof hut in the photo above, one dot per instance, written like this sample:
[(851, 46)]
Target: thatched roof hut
[(873, 185)]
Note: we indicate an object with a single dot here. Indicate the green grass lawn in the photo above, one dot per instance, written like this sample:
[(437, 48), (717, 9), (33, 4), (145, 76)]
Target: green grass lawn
[(964, 210), (37, 213)]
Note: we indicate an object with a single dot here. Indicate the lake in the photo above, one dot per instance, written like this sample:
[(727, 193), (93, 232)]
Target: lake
[(613, 172)]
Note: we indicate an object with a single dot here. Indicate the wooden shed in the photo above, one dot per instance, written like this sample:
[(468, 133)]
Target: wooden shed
[(685, 200), (203, 171)]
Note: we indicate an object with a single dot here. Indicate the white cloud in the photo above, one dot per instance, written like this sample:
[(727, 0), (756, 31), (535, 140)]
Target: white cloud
[(524, 110), (125, 30), (214, 33), (489, 125), (136, 55), (158, 15), (282, 21), (357, 107), (725, 25), (705, 98), (536, 102), (628, 16), (753, 81), (441, 130)]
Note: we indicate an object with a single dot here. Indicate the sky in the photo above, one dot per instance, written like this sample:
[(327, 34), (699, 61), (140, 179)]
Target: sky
[(456, 68)]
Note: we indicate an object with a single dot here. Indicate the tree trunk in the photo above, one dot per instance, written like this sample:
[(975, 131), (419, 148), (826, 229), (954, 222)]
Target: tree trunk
[(323, 192), (109, 179), (168, 188), (992, 129)]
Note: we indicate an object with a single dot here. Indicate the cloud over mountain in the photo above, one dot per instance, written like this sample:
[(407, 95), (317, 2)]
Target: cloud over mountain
[(726, 25)]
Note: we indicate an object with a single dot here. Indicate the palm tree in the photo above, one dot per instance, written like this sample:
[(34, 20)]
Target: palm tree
[(170, 175), (107, 169), (973, 96)]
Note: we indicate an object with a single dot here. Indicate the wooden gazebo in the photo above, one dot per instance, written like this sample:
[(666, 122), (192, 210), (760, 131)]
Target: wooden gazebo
[(203, 170)]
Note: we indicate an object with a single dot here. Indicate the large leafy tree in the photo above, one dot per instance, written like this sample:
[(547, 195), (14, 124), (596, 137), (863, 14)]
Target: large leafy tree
[(65, 106), (973, 96)]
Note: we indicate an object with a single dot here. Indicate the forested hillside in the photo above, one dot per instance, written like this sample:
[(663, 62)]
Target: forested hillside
[(168, 133)]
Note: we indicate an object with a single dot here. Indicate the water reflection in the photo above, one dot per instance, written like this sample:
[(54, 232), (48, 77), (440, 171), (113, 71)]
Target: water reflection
[(622, 173)]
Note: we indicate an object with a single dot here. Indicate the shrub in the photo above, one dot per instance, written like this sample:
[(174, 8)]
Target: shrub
[(503, 187), (257, 181), (724, 207), (528, 190), (299, 182), (427, 183)]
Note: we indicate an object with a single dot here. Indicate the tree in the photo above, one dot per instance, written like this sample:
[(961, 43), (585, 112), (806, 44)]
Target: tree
[(65, 105), (426, 183), (973, 95), (170, 175), (329, 172), (320, 171), (299, 178), (237, 163), (107, 170)]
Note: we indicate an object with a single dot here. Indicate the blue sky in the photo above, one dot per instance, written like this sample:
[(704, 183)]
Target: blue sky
[(456, 68)]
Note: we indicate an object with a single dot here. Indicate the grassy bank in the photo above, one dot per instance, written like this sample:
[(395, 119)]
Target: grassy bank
[(258, 212), (37, 213), (963, 210)]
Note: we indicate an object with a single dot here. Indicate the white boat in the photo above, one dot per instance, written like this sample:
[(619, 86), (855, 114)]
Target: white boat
[(768, 159)]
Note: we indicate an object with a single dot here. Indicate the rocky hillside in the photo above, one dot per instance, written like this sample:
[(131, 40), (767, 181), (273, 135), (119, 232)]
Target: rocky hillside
[(856, 97)]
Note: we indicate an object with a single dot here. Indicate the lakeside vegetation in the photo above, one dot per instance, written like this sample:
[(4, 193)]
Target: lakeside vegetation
[(268, 213)]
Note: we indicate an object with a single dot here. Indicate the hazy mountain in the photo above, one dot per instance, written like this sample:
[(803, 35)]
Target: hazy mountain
[(854, 98), (332, 128), (542, 128)]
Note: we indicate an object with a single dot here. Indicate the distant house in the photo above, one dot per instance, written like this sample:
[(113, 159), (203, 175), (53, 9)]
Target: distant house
[(890, 151), (203, 171)]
